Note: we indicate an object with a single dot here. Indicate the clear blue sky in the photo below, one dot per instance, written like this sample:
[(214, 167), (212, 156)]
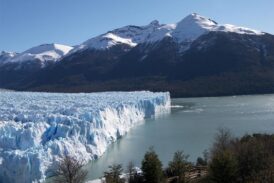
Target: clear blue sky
[(27, 23)]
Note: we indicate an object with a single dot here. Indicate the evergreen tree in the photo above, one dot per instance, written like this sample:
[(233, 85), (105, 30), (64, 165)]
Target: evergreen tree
[(152, 167)]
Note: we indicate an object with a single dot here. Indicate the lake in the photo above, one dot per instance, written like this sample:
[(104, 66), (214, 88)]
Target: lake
[(190, 127)]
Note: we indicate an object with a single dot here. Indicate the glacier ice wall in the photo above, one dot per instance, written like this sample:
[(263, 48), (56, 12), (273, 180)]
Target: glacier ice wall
[(36, 129)]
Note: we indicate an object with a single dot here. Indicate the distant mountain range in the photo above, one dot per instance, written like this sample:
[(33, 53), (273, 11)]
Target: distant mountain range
[(194, 57)]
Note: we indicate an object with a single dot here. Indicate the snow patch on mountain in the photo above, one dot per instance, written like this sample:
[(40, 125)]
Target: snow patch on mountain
[(238, 30), (160, 33), (108, 40), (43, 53), (191, 27), (36, 129), (194, 25), (5, 56), (129, 35)]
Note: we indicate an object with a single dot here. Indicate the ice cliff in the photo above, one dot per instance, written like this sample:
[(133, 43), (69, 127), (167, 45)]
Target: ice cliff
[(36, 129)]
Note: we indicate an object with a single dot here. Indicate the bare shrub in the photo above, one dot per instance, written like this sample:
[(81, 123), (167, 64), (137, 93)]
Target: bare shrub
[(70, 170)]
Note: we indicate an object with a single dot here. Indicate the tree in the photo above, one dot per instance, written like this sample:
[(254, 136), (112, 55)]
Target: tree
[(223, 141), (70, 170), (223, 167), (114, 174), (152, 167), (179, 165)]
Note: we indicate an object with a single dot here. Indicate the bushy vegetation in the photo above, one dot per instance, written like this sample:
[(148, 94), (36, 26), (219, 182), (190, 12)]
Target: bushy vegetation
[(243, 160)]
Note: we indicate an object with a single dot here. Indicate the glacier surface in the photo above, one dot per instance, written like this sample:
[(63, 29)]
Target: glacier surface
[(37, 129)]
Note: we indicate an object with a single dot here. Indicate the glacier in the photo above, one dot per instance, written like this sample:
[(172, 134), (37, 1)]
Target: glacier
[(37, 129)]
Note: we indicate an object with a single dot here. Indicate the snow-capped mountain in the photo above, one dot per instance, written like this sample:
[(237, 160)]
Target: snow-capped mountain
[(42, 53), (5, 56), (194, 25), (193, 57), (31, 60), (16, 67), (129, 35), (186, 30)]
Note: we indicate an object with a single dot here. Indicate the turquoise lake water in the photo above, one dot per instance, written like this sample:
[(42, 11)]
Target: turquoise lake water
[(190, 127)]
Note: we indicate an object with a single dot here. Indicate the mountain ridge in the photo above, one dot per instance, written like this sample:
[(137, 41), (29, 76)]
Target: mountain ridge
[(194, 57), (185, 23)]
